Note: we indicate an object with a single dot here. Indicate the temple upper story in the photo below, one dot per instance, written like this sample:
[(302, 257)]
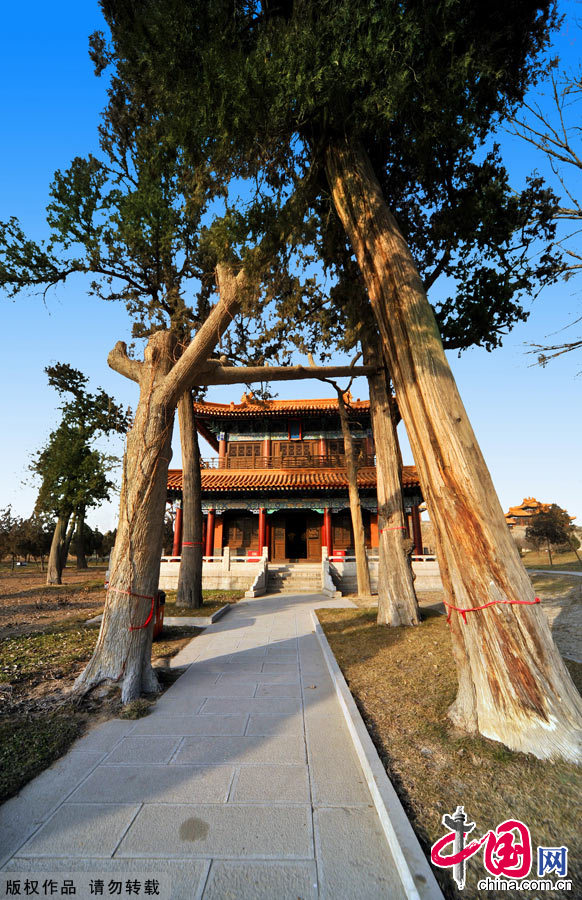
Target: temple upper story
[(284, 433)]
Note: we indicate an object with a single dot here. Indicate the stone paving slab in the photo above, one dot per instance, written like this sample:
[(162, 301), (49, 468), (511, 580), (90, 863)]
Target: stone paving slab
[(186, 878), (241, 783), (279, 748), (355, 859), (275, 725), (212, 726), (145, 749), (232, 830), (271, 784), (257, 707), (162, 784), (261, 881), (20, 816), (82, 829)]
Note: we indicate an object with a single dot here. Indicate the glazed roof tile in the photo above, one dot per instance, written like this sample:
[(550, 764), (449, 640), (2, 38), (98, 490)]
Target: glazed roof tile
[(248, 480), (250, 409)]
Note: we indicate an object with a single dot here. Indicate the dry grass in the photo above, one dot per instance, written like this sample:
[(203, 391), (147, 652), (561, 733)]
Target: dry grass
[(538, 559), (212, 602), (403, 681), (44, 645)]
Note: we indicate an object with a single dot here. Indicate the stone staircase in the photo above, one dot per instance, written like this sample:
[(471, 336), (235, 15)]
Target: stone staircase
[(294, 578)]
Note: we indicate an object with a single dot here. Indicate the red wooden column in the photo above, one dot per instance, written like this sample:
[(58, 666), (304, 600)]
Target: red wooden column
[(327, 532), (210, 533), (266, 452), (177, 546), (374, 531), (222, 450), (322, 447), (416, 531), (262, 529)]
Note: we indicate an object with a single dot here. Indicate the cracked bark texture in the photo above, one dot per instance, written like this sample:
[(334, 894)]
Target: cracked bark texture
[(397, 603), (513, 685)]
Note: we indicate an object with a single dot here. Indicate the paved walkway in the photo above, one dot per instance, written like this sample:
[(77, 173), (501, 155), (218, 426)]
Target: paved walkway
[(553, 572), (242, 783)]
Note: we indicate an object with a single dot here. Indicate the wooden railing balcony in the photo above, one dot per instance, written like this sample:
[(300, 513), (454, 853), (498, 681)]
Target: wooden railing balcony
[(330, 461)]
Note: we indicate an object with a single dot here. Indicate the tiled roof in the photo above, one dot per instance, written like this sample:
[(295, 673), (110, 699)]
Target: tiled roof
[(249, 480), (529, 507), (250, 409)]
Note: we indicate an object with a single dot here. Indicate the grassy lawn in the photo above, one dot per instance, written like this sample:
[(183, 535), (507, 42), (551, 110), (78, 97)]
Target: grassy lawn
[(37, 724), (403, 680), (538, 559), (212, 601)]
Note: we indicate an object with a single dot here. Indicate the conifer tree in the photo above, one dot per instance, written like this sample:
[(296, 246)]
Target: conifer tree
[(393, 101)]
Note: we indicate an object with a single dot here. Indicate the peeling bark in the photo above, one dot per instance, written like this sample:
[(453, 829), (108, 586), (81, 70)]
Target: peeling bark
[(397, 603), (513, 685), (123, 651), (189, 592), (362, 570)]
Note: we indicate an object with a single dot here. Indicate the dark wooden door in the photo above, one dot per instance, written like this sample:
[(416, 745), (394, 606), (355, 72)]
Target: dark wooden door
[(277, 529), (314, 523)]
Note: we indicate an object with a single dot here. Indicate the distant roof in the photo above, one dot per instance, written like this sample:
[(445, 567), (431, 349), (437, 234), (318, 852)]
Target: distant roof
[(528, 507), (251, 408), (249, 480)]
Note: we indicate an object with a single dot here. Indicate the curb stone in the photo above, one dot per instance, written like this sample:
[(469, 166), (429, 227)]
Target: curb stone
[(417, 877), (183, 621)]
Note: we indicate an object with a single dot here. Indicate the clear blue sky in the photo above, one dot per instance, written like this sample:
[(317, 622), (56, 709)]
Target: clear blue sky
[(527, 419)]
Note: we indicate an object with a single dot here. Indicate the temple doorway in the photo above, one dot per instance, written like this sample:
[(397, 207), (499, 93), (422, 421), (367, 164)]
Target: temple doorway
[(295, 535)]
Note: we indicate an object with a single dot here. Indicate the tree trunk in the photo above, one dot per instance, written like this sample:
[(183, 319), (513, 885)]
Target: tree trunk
[(550, 553), (362, 571), (513, 685), (80, 540), (66, 545), (54, 569), (190, 578), (397, 603), (123, 650)]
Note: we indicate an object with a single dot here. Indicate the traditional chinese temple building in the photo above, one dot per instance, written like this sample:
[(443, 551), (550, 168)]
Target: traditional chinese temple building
[(520, 515), (279, 480)]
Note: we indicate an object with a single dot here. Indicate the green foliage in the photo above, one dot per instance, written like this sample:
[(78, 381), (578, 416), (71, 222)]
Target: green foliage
[(73, 475), (263, 89), (551, 526)]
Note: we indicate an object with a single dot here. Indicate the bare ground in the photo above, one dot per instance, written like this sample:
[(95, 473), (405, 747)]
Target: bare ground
[(28, 605)]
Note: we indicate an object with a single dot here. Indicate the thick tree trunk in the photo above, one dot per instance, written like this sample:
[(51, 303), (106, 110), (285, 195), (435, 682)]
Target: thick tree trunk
[(80, 540), (190, 578), (397, 603), (513, 685), (54, 569), (123, 650), (362, 570)]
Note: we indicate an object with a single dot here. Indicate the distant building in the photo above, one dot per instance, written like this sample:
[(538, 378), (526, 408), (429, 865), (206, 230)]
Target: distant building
[(280, 479), (520, 515)]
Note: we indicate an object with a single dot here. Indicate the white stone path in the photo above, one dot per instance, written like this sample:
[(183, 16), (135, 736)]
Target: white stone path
[(242, 783)]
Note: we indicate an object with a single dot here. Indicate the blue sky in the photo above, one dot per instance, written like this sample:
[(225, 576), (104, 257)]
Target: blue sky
[(527, 419)]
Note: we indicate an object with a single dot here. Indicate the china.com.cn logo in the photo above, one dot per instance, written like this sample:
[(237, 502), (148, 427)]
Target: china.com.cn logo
[(507, 852)]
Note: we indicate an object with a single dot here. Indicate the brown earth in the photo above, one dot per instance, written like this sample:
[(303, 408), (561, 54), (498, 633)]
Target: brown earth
[(28, 605)]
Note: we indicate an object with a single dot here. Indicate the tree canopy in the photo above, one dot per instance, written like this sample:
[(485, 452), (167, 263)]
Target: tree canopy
[(261, 88)]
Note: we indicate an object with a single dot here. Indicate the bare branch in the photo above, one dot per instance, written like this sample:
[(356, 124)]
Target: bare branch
[(119, 361), (250, 374)]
